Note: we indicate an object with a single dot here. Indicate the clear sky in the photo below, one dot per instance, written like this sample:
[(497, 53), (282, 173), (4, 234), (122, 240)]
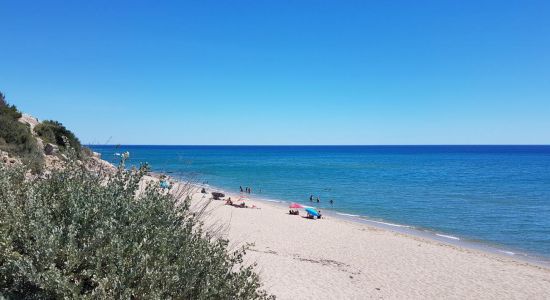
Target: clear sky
[(282, 72)]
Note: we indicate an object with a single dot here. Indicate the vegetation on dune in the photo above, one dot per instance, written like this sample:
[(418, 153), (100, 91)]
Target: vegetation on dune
[(8, 110), (16, 138), (53, 132), (74, 234)]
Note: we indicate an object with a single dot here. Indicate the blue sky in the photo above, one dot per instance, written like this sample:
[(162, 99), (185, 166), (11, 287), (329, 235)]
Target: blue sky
[(282, 72)]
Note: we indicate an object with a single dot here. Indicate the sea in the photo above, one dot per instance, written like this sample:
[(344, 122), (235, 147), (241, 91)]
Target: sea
[(493, 197)]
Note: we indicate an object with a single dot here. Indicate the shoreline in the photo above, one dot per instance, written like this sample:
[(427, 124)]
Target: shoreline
[(495, 227), (337, 258), (340, 258), (418, 232)]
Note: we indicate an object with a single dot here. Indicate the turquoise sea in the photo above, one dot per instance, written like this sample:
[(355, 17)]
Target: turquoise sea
[(497, 196)]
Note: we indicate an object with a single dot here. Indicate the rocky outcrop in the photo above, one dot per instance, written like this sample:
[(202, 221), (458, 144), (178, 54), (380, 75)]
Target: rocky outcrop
[(96, 164), (29, 120), (51, 149)]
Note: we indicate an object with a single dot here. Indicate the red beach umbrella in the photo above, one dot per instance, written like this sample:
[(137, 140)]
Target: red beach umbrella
[(295, 205)]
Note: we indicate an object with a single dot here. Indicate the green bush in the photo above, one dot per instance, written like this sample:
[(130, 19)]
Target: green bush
[(53, 132), (76, 234), (8, 110), (16, 138), (16, 135)]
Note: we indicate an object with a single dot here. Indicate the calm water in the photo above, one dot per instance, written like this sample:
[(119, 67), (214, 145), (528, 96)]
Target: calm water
[(497, 195)]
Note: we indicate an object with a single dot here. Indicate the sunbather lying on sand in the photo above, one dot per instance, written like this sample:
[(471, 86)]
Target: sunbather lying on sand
[(309, 216)]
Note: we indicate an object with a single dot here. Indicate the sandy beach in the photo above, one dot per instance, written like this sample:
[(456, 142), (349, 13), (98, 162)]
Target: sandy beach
[(420, 129), (334, 258)]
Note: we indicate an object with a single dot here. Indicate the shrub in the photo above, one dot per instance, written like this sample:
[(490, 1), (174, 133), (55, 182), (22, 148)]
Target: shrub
[(77, 234), (53, 132), (16, 138), (15, 134), (8, 110)]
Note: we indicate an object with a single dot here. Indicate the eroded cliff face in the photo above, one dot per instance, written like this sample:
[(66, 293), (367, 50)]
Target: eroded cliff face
[(29, 120)]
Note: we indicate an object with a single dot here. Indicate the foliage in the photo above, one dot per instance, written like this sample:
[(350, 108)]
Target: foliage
[(78, 234), (53, 132), (16, 138), (8, 110)]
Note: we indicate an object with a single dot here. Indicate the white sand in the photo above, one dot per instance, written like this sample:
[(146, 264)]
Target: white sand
[(334, 258)]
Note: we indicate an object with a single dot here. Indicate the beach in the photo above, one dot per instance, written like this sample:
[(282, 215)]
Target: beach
[(372, 150), (333, 258)]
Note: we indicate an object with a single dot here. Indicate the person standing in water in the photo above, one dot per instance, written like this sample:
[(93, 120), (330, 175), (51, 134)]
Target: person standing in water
[(310, 198), (241, 187), (318, 200), (331, 202)]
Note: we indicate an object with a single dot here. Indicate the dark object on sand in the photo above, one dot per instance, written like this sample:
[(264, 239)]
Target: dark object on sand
[(203, 191), (217, 195), (241, 205)]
